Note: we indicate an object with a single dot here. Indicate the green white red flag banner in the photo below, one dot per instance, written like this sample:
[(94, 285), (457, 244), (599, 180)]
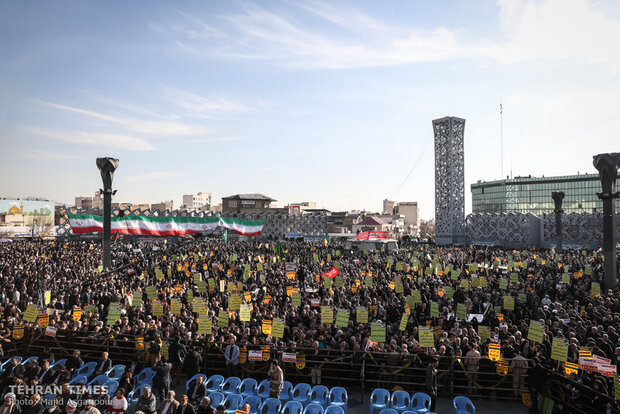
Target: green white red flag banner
[(163, 226)]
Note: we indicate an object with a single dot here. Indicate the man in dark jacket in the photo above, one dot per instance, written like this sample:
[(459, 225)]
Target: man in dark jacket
[(47, 374), (103, 365), (185, 407), (74, 362), (431, 381), (14, 369), (161, 381), (32, 370), (146, 403), (536, 382), (177, 353), (192, 363), (197, 390)]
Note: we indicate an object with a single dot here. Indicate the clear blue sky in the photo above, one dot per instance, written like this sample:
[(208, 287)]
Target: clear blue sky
[(323, 101)]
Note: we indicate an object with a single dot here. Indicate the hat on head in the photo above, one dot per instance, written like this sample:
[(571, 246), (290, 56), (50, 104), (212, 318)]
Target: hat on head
[(10, 395), (89, 402), (72, 404)]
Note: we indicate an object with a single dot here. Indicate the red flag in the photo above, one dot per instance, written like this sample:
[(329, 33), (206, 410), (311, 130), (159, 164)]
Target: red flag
[(332, 273)]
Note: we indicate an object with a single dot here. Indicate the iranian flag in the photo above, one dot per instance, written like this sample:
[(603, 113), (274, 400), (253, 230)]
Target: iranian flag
[(163, 226)]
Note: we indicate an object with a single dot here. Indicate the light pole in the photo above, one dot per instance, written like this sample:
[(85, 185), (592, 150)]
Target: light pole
[(607, 166), (107, 166), (558, 196)]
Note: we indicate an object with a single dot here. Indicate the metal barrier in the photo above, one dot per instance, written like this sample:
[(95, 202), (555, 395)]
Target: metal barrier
[(357, 371)]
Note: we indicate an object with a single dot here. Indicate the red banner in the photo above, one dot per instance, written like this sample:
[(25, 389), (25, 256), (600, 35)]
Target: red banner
[(373, 235), (332, 273)]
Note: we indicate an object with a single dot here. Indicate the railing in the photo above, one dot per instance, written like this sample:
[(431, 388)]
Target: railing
[(357, 371)]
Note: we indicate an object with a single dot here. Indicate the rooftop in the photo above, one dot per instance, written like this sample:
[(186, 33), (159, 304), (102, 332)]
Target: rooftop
[(250, 196)]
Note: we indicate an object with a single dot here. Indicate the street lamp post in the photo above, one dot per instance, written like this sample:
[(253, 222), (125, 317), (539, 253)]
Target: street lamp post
[(607, 166), (558, 196), (107, 166)]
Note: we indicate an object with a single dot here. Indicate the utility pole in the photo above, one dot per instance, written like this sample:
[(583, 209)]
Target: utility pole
[(107, 166)]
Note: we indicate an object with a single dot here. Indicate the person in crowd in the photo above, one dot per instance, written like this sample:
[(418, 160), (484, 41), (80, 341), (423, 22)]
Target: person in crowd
[(431, 381), (276, 379), (70, 407), (177, 353), (128, 381), (169, 405), (35, 406), (232, 359), (9, 406), (146, 403), (519, 369), (536, 382), (197, 390), (192, 363), (47, 374), (161, 381), (103, 365), (205, 406), (89, 407), (118, 404), (184, 406)]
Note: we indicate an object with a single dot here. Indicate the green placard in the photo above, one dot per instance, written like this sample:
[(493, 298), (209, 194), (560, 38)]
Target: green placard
[(197, 277), (461, 311), (90, 309), (234, 302), (211, 283), (483, 281), (190, 296), (566, 278), (465, 283), (368, 281), (244, 313), (361, 314), (151, 292), (158, 308), (315, 257), (484, 332), (296, 299), (514, 278), (509, 303), (204, 325), (536, 331), (222, 318), (31, 313), (559, 349), (398, 287), (377, 332), (449, 293), (596, 288), (175, 307), (503, 284), (342, 318), (327, 314), (587, 271), (338, 281), (202, 287), (522, 298), (417, 297), (277, 328), (425, 337), (399, 267), (328, 283), (259, 267), (403, 322), (159, 275), (434, 310), (337, 265)]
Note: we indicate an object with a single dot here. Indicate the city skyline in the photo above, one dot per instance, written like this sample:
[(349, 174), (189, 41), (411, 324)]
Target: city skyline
[(300, 101)]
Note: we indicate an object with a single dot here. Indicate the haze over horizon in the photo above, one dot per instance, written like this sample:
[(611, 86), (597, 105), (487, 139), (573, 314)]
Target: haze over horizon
[(300, 101)]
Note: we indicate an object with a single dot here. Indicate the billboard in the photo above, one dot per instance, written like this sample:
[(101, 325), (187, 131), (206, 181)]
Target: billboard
[(27, 213)]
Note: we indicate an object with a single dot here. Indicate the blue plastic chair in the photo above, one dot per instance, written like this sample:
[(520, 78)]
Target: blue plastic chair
[(214, 383), (421, 403), (58, 363), (408, 412), (263, 389), (388, 411), (461, 405), (232, 403), (112, 387), (400, 401), (86, 369), (79, 379), (99, 380), (319, 395), (116, 372), (27, 360), (338, 397), (47, 399), (287, 390), (334, 409), (247, 387), (145, 376), (230, 385), (216, 398), (270, 406), (301, 393), (292, 407), (204, 378), (379, 399), (253, 400), (313, 408)]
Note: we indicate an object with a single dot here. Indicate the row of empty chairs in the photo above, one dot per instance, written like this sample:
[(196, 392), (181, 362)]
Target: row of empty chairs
[(401, 402), (233, 392)]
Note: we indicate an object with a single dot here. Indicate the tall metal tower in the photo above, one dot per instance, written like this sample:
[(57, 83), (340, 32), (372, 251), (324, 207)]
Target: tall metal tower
[(449, 180)]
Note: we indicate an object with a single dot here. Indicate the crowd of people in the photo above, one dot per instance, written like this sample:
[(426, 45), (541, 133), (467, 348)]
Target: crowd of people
[(431, 285)]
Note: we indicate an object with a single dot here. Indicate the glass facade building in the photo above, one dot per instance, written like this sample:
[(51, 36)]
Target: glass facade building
[(533, 194)]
